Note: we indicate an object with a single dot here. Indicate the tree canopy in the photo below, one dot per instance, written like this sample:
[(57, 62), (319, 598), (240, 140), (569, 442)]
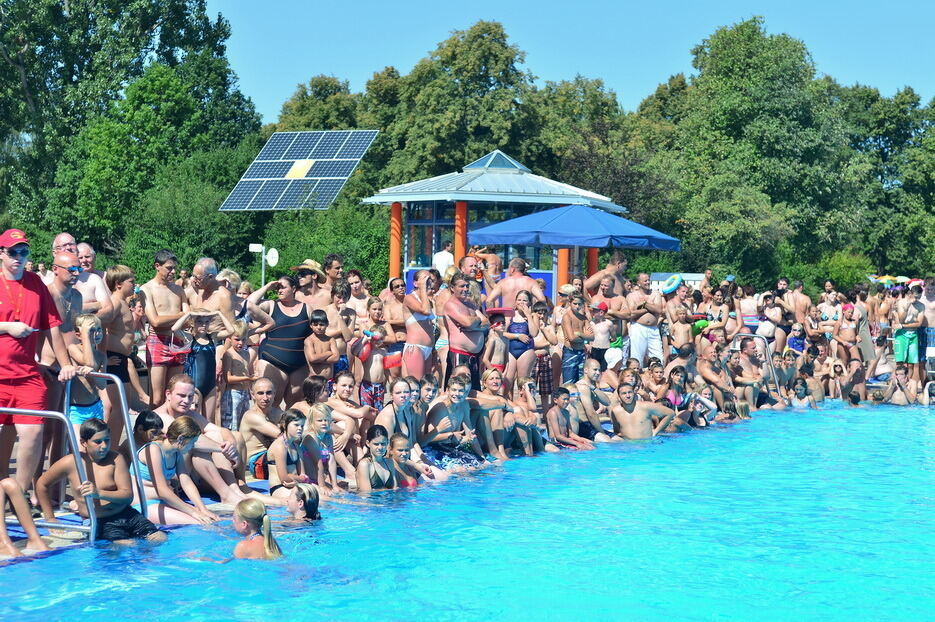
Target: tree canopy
[(129, 129)]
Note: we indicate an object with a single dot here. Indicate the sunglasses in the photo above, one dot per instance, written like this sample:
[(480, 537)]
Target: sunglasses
[(16, 253), (72, 269)]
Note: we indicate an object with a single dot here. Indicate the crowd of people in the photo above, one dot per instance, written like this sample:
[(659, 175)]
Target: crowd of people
[(325, 385)]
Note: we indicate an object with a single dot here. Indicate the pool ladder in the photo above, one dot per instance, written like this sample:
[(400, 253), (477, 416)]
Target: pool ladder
[(768, 357), (91, 528)]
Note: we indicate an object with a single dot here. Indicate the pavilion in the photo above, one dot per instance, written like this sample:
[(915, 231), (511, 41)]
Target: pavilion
[(491, 189)]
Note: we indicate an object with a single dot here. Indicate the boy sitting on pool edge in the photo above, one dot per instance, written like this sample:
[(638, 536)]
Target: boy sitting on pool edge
[(108, 485)]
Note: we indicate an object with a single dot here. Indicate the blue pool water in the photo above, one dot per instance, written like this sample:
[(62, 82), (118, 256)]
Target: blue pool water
[(789, 516)]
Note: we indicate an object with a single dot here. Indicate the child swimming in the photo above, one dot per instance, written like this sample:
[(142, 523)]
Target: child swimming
[(252, 522)]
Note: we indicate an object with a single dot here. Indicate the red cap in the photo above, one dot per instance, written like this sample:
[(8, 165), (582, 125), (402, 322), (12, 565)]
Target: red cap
[(12, 237), (602, 306)]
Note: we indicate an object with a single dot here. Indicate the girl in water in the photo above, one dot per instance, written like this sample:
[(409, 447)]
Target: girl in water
[(163, 462), (252, 522), (407, 472), (801, 396), (302, 503), (376, 471), (285, 454)]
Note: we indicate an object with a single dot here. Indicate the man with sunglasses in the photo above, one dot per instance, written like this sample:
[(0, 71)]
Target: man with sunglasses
[(27, 312), (95, 297)]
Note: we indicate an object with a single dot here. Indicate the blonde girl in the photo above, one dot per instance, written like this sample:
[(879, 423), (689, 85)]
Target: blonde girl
[(252, 522)]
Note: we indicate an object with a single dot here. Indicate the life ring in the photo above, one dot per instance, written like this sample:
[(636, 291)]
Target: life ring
[(699, 326), (671, 284)]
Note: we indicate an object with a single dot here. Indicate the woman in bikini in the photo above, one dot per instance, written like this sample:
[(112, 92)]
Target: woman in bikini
[(845, 334), (420, 327), (282, 351), (376, 471)]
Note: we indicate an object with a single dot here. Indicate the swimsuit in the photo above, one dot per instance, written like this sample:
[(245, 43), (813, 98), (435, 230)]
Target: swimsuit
[(372, 393), (517, 347), (164, 350), (286, 350), (127, 524), (79, 413), (290, 462), (460, 357), (544, 373), (377, 482), (121, 369), (201, 365), (426, 351), (168, 471), (498, 366)]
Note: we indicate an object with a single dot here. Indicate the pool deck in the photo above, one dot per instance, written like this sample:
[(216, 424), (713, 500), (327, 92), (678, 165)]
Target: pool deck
[(71, 539)]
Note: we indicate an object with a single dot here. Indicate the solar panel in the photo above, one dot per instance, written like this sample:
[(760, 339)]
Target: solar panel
[(297, 170)]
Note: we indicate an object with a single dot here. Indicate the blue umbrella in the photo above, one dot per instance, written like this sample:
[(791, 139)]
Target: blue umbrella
[(573, 225)]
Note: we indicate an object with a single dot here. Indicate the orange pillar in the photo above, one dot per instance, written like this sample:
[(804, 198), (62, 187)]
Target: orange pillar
[(461, 226), (592, 261), (396, 238), (561, 276)]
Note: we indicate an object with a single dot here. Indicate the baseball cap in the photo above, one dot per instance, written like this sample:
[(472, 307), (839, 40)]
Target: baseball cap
[(729, 278), (12, 237), (599, 305)]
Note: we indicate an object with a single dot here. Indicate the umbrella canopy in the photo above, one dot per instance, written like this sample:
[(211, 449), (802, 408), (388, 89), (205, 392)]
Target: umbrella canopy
[(574, 225)]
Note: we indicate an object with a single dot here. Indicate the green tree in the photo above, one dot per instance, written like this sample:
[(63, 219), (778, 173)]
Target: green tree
[(180, 212)]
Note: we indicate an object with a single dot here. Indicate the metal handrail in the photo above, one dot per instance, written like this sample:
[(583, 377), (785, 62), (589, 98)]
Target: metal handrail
[(769, 359), (128, 427), (91, 529)]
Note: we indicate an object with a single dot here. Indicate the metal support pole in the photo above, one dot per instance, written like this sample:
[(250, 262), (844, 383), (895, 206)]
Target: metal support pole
[(769, 359), (90, 529)]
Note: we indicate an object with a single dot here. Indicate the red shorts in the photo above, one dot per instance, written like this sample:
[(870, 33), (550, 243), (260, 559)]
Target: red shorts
[(160, 353), (27, 393)]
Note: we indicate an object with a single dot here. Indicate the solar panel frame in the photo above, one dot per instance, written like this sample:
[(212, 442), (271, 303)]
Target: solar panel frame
[(327, 159)]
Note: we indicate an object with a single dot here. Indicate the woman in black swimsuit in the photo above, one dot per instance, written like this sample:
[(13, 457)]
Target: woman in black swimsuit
[(282, 352), (376, 471)]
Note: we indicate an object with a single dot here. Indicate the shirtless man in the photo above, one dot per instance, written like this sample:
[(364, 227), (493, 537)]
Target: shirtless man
[(165, 304), (633, 420), (799, 302), (450, 441), (217, 457), (646, 307), (359, 295), (87, 257), (901, 390), (68, 302), (713, 373), (687, 358), (927, 331), (514, 282), (334, 269), (94, 295), (205, 292), (616, 268), (467, 329), (259, 426), (591, 399), (311, 279)]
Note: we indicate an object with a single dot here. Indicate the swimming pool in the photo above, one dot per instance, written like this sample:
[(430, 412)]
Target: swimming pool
[(791, 515)]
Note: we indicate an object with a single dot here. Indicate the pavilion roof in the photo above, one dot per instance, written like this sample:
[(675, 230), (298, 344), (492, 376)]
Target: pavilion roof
[(494, 178)]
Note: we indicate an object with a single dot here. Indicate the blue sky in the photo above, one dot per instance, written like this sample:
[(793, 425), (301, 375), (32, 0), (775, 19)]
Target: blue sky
[(276, 44)]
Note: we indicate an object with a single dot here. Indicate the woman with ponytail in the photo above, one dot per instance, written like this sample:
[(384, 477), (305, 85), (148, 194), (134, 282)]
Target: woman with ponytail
[(252, 522)]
